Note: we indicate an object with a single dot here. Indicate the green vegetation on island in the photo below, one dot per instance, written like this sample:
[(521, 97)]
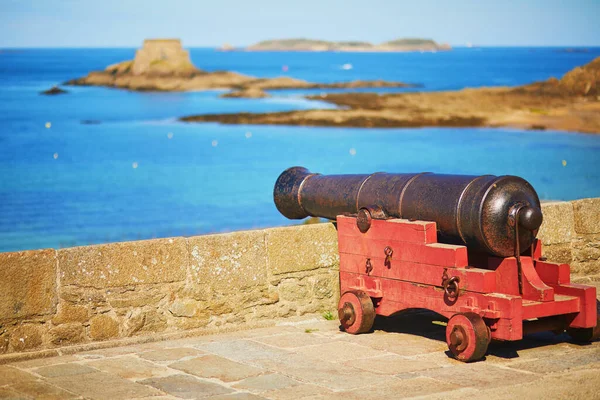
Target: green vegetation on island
[(302, 44)]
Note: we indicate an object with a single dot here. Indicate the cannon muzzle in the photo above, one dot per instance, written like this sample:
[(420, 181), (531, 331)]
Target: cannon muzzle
[(477, 211)]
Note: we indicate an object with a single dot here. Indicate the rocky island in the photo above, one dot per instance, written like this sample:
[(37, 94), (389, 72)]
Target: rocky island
[(163, 65), (398, 45), (571, 103)]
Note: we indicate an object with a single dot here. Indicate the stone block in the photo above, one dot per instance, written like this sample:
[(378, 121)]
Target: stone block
[(82, 295), (134, 321), (325, 286), (103, 327), (185, 308), (66, 334), (140, 296), (122, 264), (293, 290), (302, 248), (27, 284), (154, 322), (586, 254), (558, 253), (229, 263), (587, 215), (557, 226), (26, 337), (68, 313)]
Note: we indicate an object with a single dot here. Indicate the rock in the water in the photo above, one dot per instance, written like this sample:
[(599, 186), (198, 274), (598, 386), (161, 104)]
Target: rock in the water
[(250, 93), (162, 57), (53, 91)]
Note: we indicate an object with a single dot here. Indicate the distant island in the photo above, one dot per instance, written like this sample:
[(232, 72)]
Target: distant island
[(163, 65), (571, 103), (398, 45)]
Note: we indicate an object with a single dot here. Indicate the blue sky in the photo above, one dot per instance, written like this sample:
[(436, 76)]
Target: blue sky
[(126, 23)]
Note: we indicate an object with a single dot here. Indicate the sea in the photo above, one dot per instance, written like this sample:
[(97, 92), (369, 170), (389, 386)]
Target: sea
[(102, 165)]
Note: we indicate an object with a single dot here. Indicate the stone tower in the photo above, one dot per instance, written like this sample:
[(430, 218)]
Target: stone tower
[(162, 57)]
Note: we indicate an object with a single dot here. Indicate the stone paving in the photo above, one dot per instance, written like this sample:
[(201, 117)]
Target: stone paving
[(404, 357)]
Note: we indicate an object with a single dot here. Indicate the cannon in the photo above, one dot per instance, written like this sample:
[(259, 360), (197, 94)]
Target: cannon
[(464, 247)]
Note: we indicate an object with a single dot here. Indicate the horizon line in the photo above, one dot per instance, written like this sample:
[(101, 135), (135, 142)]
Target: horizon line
[(320, 51)]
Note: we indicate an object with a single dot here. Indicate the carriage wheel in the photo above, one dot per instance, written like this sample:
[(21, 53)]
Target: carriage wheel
[(467, 336), (356, 312)]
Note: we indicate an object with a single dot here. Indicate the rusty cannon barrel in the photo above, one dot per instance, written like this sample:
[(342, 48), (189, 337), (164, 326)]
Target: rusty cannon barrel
[(486, 213)]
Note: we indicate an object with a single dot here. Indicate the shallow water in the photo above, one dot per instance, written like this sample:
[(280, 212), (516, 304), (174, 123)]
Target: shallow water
[(139, 173)]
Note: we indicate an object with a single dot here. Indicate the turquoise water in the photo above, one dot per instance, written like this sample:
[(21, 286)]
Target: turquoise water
[(139, 173)]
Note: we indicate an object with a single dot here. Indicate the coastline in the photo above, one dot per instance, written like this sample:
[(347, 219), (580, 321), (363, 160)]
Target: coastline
[(569, 104), (485, 107)]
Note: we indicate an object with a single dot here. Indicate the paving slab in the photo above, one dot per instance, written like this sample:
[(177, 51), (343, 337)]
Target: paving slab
[(42, 391), (10, 393), (212, 366), (9, 374), (186, 386), (295, 340), (303, 391), (244, 350), (479, 375), (339, 351), (52, 371), (397, 390), (264, 383), (237, 396), (171, 354), (392, 364), (313, 359), (130, 367), (102, 385)]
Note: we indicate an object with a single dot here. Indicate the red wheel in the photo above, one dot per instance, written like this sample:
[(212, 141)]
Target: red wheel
[(467, 336), (356, 312)]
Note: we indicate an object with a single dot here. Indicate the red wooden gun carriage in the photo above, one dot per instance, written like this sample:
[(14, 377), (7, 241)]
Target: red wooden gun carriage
[(461, 246)]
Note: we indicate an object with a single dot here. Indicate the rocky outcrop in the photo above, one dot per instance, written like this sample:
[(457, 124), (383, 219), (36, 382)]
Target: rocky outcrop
[(583, 81), (250, 93), (161, 65), (571, 104), (398, 45), (54, 90)]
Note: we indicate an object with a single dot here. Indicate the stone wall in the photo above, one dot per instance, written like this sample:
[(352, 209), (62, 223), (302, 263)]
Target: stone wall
[(53, 298), (570, 234)]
